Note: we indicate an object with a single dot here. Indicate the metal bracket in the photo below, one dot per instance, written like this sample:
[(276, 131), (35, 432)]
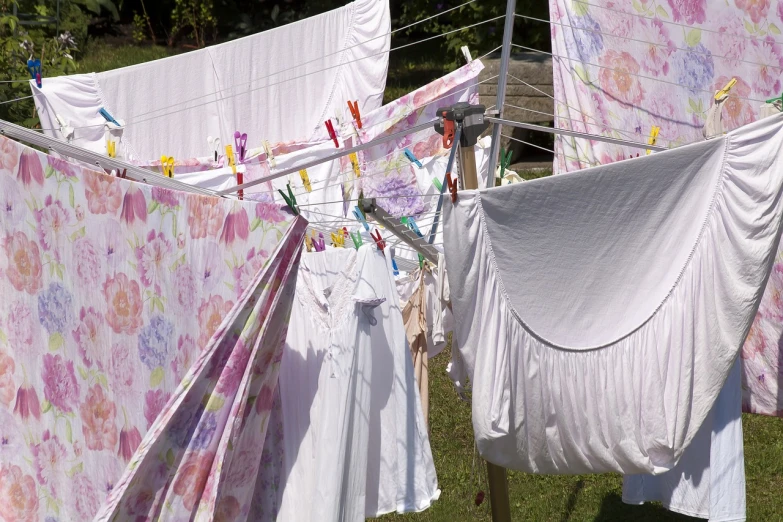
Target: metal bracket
[(405, 234)]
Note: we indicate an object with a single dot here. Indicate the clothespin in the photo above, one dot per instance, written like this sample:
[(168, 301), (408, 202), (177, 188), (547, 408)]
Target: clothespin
[(319, 244), (411, 223), (34, 66), (338, 239), (270, 158), (214, 146), (437, 183), (308, 243), (505, 161), (355, 112), (413, 159), (355, 164), (290, 199), (466, 53), (357, 213), (394, 266), (240, 141), (111, 148), (123, 174), (421, 261), (65, 129), (357, 239), (655, 129), (103, 112), (378, 239), (167, 165), (305, 180), (452, 187), (723, 92), (332, 134), (230, 159), (448, 133)]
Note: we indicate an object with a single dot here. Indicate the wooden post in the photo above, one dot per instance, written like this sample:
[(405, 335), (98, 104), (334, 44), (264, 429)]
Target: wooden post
[(496, 475)]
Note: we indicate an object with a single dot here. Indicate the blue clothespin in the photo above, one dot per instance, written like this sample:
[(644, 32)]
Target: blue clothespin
[(360, 217), (240, 142), (411, 223), (34, 66), (394, 266), (108, 116), (290, 200), (412, 158)]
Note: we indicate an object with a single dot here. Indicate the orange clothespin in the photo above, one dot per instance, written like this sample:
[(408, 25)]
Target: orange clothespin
[(305, 180), (167, 164), (448, 132), (355, 112), (332, 134), (452, 187), (378, 239), (111, 148), (355, 164)]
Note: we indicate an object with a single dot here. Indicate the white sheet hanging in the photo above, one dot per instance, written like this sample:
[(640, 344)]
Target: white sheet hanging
[(278, 85), (599, 313)]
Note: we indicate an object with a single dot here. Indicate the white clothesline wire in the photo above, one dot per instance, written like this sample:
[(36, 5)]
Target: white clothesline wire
[(528, 143), (687, 50), (685, 26), (16, 99), (711, 93)]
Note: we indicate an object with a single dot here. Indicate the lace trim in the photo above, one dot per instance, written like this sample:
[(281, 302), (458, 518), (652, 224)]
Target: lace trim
[(331, 307)]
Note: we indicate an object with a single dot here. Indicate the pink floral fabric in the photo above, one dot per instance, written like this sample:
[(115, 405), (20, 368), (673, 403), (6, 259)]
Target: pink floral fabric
[(113, 292), (622, 67)]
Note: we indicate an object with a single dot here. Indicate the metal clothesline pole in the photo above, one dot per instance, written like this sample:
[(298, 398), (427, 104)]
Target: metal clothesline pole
[(508, 31)]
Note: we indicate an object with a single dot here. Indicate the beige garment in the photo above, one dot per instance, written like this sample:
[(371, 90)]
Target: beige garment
[(413, 315)]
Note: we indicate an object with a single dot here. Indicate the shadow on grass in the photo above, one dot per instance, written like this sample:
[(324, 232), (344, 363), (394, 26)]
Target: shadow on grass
[(613, 509)]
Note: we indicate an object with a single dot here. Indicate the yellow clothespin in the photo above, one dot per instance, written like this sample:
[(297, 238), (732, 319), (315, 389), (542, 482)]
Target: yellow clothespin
[(308, 243), (653, 136), (726, 88), (167, 164), (305, 180), (270, 158), (338, 239), (111, 148), (230, 158), (355, 164)]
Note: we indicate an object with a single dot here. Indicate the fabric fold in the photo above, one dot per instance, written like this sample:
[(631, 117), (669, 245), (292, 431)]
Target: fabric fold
[(640, 283)]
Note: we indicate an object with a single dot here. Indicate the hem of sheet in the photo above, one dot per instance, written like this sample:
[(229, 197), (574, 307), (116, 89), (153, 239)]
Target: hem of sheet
[(493, 427), (408, 508), (676, 509)]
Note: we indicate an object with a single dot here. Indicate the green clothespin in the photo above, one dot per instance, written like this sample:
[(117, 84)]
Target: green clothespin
[(421, 261), (505, 161), (438, 184), (357, 239), (773, 100), (290, 199)]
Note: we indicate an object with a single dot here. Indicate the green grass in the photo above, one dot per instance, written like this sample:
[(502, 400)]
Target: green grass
[(533, 498)]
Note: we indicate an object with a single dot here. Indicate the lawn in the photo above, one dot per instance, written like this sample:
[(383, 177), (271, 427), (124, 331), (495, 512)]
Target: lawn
[(460, 474)]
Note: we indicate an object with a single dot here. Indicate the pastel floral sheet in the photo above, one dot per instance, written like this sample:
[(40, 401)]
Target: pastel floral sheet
[(623, 67), (140, 335)]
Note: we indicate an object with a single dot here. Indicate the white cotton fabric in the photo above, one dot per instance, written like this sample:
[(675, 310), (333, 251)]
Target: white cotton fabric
[(599, 313), (709, 480), (354, 439), (279, 85)]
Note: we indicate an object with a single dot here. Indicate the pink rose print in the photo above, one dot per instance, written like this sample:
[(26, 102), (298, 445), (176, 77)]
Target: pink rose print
[(755, 343), (102, 192), (210, 315), (52, 220), (228, 510), (7, 387), (205, 216), (185, 288), (24, 263), (89, 336), (428, 147), (121, 368), (244, 274), (780, 11), (153, 258), (123, 300), (737, 111), (30, 168), (9, 154), (756, 9), (186, 356), (139, 504), (236, 226), (767, 56), (129, 441), (659, 47), (83, 496), (265, 399), (134, 205), (192, 476), (18, 497), (270, 213), (87, 262), (21, 324), (49, 458), (730, 40), (98, 414), (232, 373), (12, 206), (60, 386), (154, 402), (692, 11), (620, 83)]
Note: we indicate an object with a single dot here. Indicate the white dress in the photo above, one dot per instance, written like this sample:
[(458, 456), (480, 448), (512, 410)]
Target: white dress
[(599, 313), (354, 442)]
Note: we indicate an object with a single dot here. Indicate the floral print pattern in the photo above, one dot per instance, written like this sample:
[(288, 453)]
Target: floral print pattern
[(113, 292)]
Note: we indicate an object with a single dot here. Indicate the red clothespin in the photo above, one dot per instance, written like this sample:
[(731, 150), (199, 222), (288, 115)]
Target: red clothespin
[(332, 134), (452, 187), (123, 174), (448, 132), (355, 112), (378, 240)]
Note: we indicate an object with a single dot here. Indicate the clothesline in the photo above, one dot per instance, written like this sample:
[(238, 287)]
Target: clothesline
[(528, 143)]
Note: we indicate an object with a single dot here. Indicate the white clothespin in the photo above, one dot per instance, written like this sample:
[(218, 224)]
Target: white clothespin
[(466, 53), (270, 158), (65, 129), (214, 146), (713, 121)]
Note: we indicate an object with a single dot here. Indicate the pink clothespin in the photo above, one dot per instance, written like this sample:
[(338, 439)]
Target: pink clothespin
[(378, 239), (332, 134), (240, 142)]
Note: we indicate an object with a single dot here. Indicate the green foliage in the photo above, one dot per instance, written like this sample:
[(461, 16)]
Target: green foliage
[(196, 16), (99, 6), (139, 28)]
